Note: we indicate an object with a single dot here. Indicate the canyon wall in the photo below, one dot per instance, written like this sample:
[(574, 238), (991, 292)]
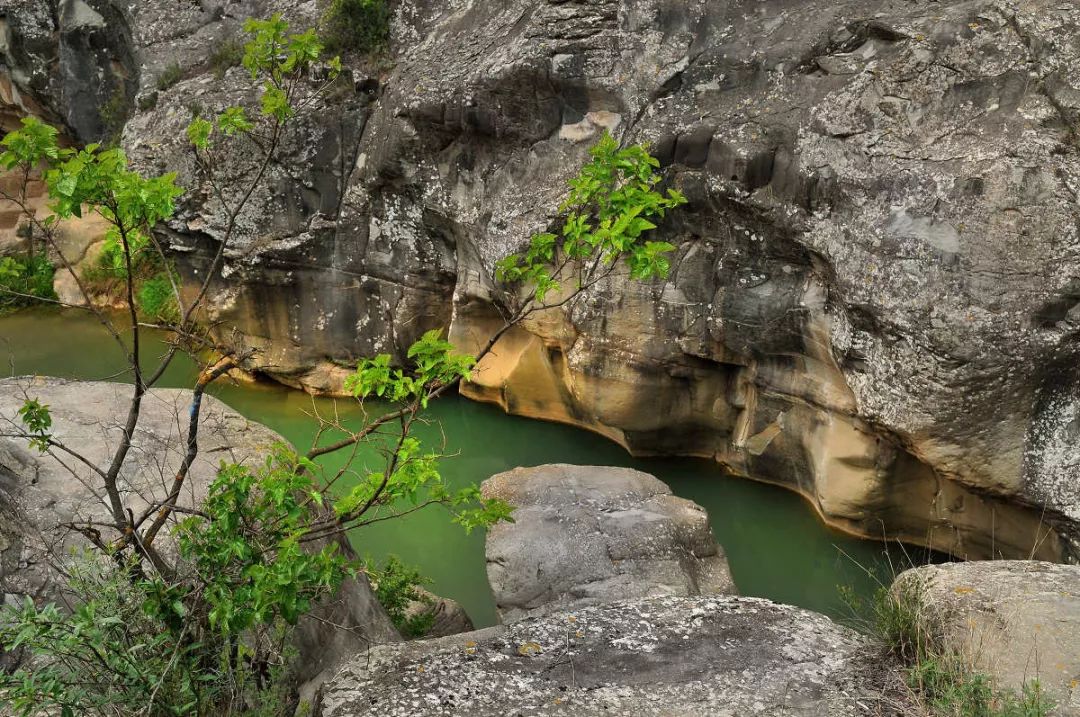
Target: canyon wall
[(874, 299)]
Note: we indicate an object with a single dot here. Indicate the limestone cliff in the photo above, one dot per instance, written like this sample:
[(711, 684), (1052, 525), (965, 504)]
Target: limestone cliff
[(874, 299)]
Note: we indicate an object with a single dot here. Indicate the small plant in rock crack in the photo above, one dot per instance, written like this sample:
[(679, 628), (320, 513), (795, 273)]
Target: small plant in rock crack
[(943, 682)]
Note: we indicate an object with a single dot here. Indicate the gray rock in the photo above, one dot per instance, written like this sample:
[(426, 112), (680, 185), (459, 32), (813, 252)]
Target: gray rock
[(1016, 621), (39, 494), (693, 657), (448, 616), (46, 492), (584, 535), (70, 62)]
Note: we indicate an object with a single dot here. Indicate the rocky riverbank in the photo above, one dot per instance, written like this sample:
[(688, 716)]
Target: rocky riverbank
[(44, 498), (615, 594)]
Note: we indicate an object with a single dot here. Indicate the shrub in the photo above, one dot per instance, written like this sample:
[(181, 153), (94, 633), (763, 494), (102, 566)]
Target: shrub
[(357, 25), (148, 102), (397, 586), (157, 300), (226, 55), (172, 74), (24, 280), (942, 681), (211, 639)]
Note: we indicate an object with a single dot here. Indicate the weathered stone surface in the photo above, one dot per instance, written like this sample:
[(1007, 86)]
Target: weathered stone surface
[(872, 302), (71, 62), (584, 535), (39, 494), (692, 657), (48, 491), (1016, 621)]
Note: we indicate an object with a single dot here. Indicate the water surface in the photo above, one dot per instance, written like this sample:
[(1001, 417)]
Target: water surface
[(775, 543)]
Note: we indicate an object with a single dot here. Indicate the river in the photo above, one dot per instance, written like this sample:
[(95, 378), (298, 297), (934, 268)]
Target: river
[(775, 543)]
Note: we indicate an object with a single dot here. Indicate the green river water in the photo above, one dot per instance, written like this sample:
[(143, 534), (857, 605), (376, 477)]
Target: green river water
[(776, 545)]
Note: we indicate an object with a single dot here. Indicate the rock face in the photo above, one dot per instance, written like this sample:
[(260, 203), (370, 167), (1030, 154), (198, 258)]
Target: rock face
[(692, 657), (584, 535), (874, 298), (70, 62), (1016, 621), (39, 494)]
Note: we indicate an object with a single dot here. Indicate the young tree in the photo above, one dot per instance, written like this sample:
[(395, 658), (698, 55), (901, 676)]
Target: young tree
[(265, 545)]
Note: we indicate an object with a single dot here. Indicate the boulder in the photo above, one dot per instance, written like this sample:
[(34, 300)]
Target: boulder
[(720, 656), (1014, 620), (45, 493), (40, 494), (448, 617), (584, 535)]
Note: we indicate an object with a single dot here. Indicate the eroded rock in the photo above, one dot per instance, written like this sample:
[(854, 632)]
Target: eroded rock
[(584, 535), (447, 616), (1016, 621), (718, 656)]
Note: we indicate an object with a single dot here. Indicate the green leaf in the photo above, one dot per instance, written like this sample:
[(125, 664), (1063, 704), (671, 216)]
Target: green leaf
[(198, 132)]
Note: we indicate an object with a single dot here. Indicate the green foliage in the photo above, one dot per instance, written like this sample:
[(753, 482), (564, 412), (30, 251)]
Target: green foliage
[(35, 142), (106, 657), (172, 74), (434, 363), (361, 26), (275, 52), (412, 475), (112, 263), (25, 280), (100, 179), (113, 654), (148, 102), (198, 132), (612, 205), (280, 58), (234, 120), (248, 549), (948, 688), (157, 298), (398, 586), (37, 419)]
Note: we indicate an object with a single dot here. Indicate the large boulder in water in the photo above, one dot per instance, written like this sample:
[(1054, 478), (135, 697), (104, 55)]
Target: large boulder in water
[(720, 656), (584, 535), (1014, 620)]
